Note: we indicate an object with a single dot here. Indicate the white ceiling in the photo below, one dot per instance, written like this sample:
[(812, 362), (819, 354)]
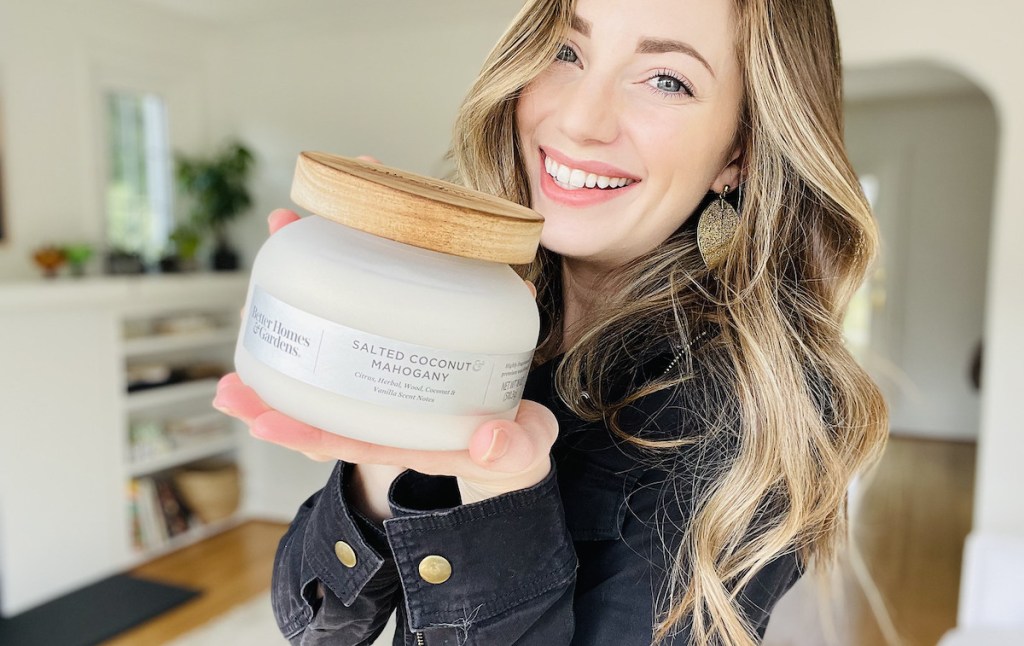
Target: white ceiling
[(243, 12), (231, 11)]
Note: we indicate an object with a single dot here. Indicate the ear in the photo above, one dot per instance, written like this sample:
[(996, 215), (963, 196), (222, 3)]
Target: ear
[(732, 174)]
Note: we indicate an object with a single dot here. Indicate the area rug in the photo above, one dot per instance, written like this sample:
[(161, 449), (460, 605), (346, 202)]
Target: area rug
[(252, 624), (93, 614)]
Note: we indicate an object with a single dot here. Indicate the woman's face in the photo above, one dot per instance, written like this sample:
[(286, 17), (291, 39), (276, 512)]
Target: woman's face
[(631, 125)]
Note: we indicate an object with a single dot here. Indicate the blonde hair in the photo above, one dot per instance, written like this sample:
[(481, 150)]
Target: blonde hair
[(799, 416)]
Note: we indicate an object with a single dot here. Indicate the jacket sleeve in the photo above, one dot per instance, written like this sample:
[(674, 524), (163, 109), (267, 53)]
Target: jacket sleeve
[(332, 582), (507, 567)]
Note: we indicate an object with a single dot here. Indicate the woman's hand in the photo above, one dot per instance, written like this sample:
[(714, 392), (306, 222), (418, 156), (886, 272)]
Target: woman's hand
[(503, 455)]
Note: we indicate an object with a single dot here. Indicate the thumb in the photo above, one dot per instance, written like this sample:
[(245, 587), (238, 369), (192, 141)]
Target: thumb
[(515, 447)]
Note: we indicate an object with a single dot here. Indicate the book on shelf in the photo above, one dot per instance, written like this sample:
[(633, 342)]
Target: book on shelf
[(158, 512)]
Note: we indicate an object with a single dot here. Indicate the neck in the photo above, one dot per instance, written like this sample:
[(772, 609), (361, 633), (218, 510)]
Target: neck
[(580, 294)]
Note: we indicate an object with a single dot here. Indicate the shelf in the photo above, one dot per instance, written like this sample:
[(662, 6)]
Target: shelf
[(168, 395), (182, 455), (185, 539), (172, 342)]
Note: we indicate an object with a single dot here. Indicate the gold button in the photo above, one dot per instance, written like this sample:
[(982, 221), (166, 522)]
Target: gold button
[(435, 569), (345, 554)]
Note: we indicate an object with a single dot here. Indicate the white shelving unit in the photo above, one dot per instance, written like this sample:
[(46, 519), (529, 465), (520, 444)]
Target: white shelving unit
[(175, 338), (162, 396), (66, 462), (160, 343), (193, 535), (183, 455)]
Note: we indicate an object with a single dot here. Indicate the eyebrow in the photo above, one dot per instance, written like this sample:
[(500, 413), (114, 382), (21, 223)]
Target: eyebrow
[(649, 45), (580, 25), (664, 45)]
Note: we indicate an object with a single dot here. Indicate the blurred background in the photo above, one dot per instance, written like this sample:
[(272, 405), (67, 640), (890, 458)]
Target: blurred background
[(143, 142)]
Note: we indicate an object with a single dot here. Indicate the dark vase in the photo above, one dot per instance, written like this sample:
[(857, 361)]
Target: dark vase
[(124, 262), (224, 257), (169, 264)]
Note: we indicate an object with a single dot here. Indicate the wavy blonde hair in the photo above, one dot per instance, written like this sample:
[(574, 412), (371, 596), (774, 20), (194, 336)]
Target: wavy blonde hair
[(800, 416)]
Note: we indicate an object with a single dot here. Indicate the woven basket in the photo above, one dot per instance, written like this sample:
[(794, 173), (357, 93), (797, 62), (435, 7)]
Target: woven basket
[(211, 491)]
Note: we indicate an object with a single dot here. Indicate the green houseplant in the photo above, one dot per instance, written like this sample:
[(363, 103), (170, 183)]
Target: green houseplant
[(217, 190)]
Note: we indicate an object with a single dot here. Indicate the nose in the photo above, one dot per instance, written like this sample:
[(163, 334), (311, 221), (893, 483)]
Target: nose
[(589, 110)]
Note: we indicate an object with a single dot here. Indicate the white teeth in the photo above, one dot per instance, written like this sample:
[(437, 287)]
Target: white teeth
[(574, 178)]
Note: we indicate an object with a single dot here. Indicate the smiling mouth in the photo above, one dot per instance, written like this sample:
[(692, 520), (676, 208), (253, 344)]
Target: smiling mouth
[(574, 179)]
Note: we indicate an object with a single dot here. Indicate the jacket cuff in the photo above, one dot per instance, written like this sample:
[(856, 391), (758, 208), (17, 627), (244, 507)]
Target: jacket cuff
[(331, 523), (502, 551)]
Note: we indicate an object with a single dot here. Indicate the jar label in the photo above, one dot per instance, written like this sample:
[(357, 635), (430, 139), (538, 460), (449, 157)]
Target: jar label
[(378, 369)]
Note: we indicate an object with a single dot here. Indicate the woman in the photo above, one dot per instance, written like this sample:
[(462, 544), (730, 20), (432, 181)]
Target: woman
[(693, 420)]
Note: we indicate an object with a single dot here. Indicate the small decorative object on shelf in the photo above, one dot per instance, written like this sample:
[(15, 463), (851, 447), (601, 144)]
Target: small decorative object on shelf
[(210, 489), (121, 262), (78, 254), (49, 258), (186, 238)]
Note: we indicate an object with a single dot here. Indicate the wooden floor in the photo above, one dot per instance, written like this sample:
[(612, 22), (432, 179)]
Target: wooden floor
[(914, 516), (229, 568)]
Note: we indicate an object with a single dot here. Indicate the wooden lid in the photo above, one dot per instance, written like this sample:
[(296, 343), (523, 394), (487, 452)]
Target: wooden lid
[(416, 210)]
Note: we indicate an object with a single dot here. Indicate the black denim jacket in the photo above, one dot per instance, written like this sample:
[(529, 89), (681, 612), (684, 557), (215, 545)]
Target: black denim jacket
[(578, 559)]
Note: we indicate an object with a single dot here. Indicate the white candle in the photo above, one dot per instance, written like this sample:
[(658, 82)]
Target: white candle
[(384, 341)]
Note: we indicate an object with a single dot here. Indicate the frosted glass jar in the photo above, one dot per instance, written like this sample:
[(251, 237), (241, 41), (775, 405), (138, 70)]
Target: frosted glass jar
[(384, 340)]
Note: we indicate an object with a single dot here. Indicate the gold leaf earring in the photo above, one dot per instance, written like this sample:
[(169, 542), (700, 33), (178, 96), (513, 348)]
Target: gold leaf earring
[(715, 229)]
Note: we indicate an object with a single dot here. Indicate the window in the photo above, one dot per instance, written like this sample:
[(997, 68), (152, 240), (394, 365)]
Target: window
[(139, 187)]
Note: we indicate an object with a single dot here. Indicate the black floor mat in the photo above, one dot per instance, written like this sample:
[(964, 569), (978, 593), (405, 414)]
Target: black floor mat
[(92, 614)]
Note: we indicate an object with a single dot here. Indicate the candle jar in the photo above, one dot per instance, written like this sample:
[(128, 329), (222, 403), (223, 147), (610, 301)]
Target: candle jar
[(391, 315)]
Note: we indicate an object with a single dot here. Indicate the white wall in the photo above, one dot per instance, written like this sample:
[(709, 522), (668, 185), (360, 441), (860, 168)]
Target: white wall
[(935, 157), (361, 79), (55, 58)]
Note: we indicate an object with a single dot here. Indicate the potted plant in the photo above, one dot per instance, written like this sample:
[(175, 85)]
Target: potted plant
[(77, 255), (218, 193), (186, 238)]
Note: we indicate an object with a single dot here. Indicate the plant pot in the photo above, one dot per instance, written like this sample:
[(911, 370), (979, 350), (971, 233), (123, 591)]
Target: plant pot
[(224, 258)]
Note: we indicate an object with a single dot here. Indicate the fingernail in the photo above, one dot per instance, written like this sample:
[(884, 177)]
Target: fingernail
[(224, 409), (499, 444)]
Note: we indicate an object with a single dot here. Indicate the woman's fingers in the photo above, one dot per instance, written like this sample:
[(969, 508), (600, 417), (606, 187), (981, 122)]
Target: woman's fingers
[(279, 218), (236, 399), (515, 447), (274, 426), (531, 287), (503, 455)]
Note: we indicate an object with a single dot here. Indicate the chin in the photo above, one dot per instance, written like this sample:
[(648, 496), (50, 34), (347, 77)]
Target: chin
[(571, 242)]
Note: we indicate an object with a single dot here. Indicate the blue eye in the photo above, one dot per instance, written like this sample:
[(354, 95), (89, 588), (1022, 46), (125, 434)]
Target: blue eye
[(665, 83), (566, 54), (669, 84)]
